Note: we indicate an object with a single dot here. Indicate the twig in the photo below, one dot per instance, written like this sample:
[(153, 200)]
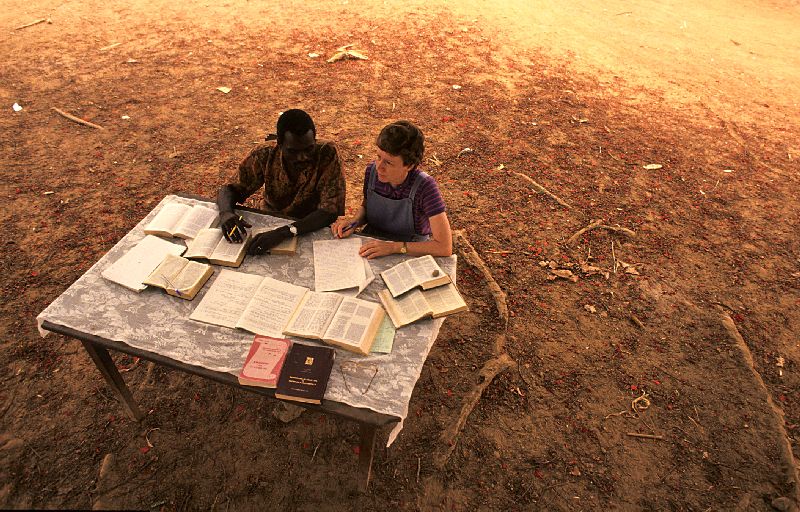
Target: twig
[(614, 255), (543, 190), (315, 451), (646, 436), (490, 370), (77, 119), (636, 321), (36, 22), (419, 466), (109, 47), (595, 224), (472, 257)]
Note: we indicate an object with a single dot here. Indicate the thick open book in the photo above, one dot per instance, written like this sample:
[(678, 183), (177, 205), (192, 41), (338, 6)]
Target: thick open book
[(421, 272), (269, 307), (210, 244), (434, 303), (346, 322), (180, 277), (138, 263), (181, 220)]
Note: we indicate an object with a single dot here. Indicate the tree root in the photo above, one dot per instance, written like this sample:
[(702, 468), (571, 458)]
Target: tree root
[(777, 419), (472, 257), (490, 370), (598, 224), (543, 190)]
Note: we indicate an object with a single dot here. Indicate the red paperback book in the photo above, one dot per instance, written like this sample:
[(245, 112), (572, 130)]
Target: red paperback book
[(264, 361)]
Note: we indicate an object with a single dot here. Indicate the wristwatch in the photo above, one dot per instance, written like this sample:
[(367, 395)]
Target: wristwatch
[(293, 230), (404, 249)]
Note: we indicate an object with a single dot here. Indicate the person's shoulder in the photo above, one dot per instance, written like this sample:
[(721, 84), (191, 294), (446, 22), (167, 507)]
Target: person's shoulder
[(263, 149), (427, 181), (327, 149)]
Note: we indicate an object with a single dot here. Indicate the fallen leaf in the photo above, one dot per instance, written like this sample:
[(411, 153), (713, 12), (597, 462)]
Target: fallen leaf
[(49, 192), (575, 472), (564, 274), (652, 167), (344, 52), (727, 170), (313, 55), (590, 308), (456, 87), (225, 90)]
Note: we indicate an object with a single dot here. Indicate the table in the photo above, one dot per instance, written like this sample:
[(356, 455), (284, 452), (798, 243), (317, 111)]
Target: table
[(156, 327)]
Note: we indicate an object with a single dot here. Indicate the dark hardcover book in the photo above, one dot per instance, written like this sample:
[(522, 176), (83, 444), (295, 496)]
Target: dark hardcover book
[(305, 373)]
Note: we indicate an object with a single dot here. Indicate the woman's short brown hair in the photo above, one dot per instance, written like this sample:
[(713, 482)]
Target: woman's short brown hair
[(402, 139)]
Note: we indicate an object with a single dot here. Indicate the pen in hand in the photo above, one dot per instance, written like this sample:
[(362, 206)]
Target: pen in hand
[(348, 227)]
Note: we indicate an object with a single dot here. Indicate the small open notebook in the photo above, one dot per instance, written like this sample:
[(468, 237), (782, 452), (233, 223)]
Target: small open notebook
[(417, 304), (422, 272), (180, 277), (269, 307), (181, 220)]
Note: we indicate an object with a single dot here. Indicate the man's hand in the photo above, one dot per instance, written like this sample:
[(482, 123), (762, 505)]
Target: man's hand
[(263, 242), (233, 227), (377, 248)]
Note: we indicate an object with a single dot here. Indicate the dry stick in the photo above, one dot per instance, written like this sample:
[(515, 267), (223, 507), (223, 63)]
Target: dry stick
[(777, 418), (543, 190), (490, 370), (77, 119), (472, 257), (646, 436), (36, 22), (594, 224), (109, 47)]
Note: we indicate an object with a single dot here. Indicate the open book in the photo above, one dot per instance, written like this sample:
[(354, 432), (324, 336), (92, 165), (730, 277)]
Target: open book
[(266, 306), (210, 244), (135, 266), (346, 322), (180, 277), (440, 301), (421, 272), (181, 220)]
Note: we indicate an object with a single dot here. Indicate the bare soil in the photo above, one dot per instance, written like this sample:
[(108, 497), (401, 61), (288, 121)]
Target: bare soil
[(579, 98)]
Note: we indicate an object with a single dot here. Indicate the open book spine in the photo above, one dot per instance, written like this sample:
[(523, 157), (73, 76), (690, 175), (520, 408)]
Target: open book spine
[(406, 309)]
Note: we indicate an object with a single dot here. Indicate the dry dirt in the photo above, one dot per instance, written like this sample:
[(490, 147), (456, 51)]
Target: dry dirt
[(578, 97)]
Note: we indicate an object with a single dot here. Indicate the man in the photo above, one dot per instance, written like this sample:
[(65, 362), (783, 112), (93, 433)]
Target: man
[(301, 177)]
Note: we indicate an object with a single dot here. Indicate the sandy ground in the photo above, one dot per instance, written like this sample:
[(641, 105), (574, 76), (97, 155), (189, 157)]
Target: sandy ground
[(699, 309)]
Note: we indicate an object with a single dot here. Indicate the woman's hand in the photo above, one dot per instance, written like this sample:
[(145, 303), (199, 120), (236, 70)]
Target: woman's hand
[(378, 248), (344, 227)]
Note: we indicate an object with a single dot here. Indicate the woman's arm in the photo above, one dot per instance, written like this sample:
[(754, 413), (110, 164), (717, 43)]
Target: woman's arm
[(440, 244)]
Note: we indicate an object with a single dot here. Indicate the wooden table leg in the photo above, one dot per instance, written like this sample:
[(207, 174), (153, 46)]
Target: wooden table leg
[(366, 452), (107, 367)]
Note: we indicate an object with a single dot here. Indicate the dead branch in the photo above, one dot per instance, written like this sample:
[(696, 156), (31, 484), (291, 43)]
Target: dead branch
[(35, 22), (777, 418), (543, 190), (637, 322), (487, 374), (472, 257), (77, 119), (109, 47), (598, 224), (646, 436)]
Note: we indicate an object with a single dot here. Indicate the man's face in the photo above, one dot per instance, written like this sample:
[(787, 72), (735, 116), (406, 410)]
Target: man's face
[(298, 150)]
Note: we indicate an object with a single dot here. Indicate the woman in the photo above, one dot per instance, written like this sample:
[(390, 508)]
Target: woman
[(401, 202)]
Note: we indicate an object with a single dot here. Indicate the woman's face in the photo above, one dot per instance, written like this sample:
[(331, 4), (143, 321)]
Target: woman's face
[(390, 168)]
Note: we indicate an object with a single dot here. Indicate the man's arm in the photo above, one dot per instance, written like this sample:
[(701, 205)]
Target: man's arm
[(315, 220), (234, 227)]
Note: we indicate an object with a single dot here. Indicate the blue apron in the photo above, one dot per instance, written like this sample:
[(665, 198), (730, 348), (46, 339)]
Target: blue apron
[(392, 218)]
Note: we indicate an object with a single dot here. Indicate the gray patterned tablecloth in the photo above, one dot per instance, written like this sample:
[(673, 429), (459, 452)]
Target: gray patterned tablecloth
[(157, 322)]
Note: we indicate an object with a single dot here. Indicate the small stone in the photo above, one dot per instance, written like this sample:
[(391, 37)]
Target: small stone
[(784, 504)]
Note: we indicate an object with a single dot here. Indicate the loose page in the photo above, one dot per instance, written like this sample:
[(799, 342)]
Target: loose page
[(167, 219), (199, 217), (351, 324), (271, 307), (384, 338), (313, 315), (132, 269), (337, 265), (227, 298)]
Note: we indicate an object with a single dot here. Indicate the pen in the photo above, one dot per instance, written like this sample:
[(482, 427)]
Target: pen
[(234, 228), (349, 227)]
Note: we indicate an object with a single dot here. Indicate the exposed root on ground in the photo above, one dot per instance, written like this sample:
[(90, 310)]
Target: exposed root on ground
[(598, 224), (472, 257)]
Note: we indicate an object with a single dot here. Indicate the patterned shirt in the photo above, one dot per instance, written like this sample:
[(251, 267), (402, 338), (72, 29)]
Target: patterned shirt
[(320, 186), (427, 201)]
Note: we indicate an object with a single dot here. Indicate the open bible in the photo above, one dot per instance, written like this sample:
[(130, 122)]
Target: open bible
[(422, 272), (138, 263), (180, 277), (181, 220), (416, 304), (269, 307), (210, 245)]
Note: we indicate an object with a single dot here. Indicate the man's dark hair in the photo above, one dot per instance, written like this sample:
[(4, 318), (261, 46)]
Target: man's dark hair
[(403, 139), (296, 121)]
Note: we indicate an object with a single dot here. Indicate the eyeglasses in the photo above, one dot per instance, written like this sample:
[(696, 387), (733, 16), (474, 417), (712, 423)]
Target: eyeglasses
[(356, 367)]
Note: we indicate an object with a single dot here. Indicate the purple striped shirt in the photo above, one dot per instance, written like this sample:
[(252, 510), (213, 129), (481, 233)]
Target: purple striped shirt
[(427, 201)]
